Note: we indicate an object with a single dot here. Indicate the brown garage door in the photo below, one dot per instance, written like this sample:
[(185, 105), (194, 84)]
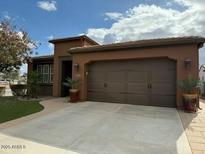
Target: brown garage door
[(141, 82)]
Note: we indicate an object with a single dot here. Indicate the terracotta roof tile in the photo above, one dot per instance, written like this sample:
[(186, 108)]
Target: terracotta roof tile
[(73, 38), (142, 43)]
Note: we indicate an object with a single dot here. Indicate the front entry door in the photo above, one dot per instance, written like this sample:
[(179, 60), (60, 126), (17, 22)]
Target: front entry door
[(66, 71)]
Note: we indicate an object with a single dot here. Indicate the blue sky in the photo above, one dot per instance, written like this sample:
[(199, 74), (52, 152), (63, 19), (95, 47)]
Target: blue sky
[(105, 21), (71, 18)]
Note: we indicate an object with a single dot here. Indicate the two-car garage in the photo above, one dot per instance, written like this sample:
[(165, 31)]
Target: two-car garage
[(143, 72), (140, 82)]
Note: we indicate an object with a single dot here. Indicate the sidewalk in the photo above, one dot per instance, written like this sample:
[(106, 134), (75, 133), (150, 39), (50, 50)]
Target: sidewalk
[(194, 125), (27, 147)]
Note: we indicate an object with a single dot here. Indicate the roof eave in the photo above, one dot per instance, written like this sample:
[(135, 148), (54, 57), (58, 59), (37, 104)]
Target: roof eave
[(73, 38), (126, 46), (42, 57)]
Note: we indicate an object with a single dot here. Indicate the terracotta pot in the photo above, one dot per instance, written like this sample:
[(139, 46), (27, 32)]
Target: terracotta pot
[(190, 102), (74, 95)]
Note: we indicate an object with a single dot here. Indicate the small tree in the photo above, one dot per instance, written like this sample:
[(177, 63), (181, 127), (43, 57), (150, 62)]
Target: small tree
[(15, 47), (33, 84)]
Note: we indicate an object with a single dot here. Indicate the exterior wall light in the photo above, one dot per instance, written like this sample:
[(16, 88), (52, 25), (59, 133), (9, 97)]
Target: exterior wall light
[(187, 63), (76, 66)]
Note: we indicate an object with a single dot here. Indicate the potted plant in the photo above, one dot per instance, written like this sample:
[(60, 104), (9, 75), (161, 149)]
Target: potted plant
[(190, 87), (74, 92)]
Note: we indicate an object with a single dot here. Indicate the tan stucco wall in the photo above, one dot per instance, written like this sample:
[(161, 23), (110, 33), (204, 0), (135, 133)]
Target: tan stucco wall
[(61, 52), (87, 43), (177, 52)]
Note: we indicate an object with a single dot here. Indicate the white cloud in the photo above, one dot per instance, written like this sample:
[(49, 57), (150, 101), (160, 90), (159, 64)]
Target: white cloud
[(50, 37), (197, 4), (169, 3), (50, 45), (98, 34), (48, 6), (151, 21), (113, 15)]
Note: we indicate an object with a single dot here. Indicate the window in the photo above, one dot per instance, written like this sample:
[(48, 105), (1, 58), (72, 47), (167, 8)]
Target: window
[(40, 72), (51, 73), (202, 78), (46, 73)]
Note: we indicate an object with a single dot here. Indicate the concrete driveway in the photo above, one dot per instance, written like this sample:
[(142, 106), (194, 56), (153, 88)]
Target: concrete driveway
[(106, 128)]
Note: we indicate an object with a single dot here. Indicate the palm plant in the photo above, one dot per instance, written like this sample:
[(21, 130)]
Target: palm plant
[(72, 83), (189, 85)]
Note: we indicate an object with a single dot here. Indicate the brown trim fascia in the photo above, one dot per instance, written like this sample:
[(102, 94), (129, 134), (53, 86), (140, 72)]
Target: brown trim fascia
[(88, 50), (73, 38), (140, 44)]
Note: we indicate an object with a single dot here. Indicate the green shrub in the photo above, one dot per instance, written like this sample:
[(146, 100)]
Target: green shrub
[(19, 89), (72, 83), (190, 84), (33, 84)]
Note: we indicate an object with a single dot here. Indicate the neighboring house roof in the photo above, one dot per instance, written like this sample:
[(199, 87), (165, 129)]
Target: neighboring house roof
[(42, 57), (73, 38), (142, 43), (202, 67)]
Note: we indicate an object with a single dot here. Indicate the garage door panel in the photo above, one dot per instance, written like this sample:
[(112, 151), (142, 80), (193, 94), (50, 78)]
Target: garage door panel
[(163, 88), (96, 96), (96, 86), (115, 66), (137, 99), (106, 66), (115, 87), (163, 100), (136, 65), (98, 67), (140, 88), (163, 76), (115, 97), (162, 65), (115, 76), (96, 76), (133, 76)]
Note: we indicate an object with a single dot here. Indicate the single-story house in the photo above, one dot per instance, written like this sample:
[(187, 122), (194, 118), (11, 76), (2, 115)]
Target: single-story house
[(143, 72)]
